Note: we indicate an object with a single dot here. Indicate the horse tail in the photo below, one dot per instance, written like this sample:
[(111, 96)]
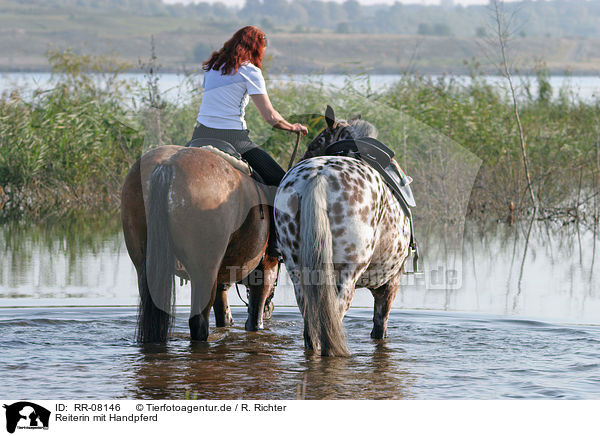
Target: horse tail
[(157, 281), (321, 311)]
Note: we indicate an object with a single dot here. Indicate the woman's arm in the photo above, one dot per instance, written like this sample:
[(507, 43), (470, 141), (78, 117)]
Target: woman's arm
[(274, 118)]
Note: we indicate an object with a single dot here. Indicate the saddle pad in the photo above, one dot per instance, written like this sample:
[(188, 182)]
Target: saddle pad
[(235, 162), (223, 149)]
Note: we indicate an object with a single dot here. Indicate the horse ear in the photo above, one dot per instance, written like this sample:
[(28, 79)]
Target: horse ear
[(329, 117), (358, 116)]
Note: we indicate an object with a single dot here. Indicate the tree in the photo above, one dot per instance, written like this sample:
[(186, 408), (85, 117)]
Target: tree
[(353, 9), (251, 10), (424, 29), (441, 29), (202, 51), (267, 25), (343, 27)]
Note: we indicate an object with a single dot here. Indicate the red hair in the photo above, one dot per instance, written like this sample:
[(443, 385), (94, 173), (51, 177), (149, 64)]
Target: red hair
[(246, 45)]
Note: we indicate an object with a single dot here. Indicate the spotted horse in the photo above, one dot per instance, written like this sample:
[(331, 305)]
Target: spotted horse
[(339, 226)]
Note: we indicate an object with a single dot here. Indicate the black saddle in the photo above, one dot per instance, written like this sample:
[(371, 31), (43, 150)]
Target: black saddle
[(379, 156), (225, 147)]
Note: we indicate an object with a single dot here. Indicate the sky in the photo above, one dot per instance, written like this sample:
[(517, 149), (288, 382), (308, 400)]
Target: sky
[(365, 2)]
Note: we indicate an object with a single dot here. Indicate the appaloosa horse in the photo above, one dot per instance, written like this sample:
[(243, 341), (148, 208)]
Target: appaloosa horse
[(189, 207), (339, 226)]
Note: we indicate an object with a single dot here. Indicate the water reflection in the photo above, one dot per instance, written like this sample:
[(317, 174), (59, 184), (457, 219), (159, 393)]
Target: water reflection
[(542, 270), (89, 353), (268, 365), (77, 259), (535, 269)]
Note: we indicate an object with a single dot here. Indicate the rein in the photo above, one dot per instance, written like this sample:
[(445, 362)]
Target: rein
[(295, 150), (240, 295)]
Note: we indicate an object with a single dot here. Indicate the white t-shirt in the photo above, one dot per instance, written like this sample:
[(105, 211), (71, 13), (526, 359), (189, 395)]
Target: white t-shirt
[(226, 96)]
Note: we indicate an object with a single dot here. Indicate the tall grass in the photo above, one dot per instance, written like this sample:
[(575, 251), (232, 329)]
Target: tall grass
[(68, 148), (561, 138)]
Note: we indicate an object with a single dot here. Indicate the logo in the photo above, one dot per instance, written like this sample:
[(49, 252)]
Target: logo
[(26, 415)]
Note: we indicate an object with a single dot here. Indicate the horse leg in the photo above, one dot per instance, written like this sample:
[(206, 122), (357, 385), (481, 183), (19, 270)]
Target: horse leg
[(261, 282), (199, 321), (307, 340), (295, 276), (384, 297), (221, 307), (269, 306)]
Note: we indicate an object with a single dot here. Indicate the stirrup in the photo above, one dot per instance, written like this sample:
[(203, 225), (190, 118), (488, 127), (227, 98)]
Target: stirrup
[(413, 249), (414, 253)]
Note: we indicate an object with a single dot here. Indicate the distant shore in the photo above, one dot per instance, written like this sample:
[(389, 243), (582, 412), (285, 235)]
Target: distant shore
[(178, 86), (329, 53)]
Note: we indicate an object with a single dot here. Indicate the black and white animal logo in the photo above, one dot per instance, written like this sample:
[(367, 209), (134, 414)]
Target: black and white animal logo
[(26, 415)]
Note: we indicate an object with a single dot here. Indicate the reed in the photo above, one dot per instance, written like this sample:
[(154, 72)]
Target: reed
[(67, 148)]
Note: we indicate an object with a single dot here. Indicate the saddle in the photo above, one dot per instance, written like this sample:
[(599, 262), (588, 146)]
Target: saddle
[(381, 158), (229, 153)]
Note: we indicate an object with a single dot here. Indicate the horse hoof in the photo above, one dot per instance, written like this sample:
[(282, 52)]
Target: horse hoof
[(378, 333), (198, 328), (199, 336), (268, 310), (253, 327), (226, 323)]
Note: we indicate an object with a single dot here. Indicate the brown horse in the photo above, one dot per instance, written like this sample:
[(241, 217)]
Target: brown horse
[(189, 212)]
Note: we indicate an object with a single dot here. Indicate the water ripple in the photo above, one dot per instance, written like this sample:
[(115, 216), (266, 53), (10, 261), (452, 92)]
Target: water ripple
[(91, 353)]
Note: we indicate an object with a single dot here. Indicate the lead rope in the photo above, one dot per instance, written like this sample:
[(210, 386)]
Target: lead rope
[(295, 151), (239, 294)]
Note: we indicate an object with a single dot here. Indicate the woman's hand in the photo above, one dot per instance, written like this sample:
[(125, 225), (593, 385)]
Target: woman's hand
[(299, 128)]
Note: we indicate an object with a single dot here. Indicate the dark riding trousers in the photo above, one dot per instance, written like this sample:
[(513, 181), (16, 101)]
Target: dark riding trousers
[(258, 159)]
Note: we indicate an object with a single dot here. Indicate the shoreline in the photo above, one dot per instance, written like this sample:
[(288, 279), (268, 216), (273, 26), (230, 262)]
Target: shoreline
[(466, 126), (565, 71)]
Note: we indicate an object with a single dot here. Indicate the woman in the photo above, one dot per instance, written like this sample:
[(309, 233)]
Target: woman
[(231, 75)]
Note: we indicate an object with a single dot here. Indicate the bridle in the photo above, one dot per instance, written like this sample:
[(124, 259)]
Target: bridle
[(339, 131)]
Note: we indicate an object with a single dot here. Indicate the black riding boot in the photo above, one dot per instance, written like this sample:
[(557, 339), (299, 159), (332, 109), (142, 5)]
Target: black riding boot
[(272, 174), (272, 245)]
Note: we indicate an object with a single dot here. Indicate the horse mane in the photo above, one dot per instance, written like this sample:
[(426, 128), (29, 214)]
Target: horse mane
[(360, 128)]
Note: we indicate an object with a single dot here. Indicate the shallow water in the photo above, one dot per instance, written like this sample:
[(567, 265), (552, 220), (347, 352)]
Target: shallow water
[(552, 275), (519, 317), (68, 353)]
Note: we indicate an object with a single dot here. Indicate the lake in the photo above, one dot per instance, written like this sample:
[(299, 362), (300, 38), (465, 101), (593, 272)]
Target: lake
[(177, 87), (502, 312)]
